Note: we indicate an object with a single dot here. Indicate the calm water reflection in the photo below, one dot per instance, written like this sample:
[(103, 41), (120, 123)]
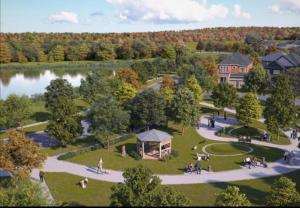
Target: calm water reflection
[(32, 82)]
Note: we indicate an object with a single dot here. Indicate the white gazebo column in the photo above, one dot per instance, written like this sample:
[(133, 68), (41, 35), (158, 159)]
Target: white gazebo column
[(159, 150), (143, 146)]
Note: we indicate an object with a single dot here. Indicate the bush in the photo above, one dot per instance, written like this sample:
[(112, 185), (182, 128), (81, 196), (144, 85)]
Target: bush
[(174, 153), (134, 155), (78, 152)]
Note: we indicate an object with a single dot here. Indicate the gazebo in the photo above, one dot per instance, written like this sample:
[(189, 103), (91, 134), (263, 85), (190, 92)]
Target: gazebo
[(154, 144)]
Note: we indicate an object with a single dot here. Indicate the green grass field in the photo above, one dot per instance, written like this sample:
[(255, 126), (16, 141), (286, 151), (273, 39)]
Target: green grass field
[(65, 189), (255, 130), (182, 144)]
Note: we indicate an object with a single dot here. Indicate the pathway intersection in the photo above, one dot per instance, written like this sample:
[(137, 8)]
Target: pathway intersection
[(52, 164)]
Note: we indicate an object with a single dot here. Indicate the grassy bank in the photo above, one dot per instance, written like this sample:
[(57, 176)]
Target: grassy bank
[(65, 189)]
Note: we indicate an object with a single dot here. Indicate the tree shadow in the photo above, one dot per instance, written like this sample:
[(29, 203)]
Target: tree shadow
[(40, 116)]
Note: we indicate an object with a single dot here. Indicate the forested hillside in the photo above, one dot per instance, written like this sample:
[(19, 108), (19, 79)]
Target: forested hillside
[(54, 47)]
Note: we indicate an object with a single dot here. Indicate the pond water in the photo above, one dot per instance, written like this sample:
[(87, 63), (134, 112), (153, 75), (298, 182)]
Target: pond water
[(34, 82)]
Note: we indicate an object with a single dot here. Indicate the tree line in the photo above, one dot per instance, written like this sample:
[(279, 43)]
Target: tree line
[(53, 47)]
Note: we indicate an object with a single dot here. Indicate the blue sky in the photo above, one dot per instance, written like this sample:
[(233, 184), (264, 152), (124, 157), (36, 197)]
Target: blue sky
[(143, 15)]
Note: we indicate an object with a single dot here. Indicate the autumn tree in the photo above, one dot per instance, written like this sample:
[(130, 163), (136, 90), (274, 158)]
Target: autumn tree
[(129, 76), (125, 92), (5, 54), (167, 82), (19, 155), (209, 64), (248, 108), (103, 52), (194, 86), (57, 53)]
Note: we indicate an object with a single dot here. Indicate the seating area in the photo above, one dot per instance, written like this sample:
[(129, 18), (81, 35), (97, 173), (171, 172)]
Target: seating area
[(245, 139)]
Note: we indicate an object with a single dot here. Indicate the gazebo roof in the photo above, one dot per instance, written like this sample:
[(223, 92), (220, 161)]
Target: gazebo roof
[(154, 136)]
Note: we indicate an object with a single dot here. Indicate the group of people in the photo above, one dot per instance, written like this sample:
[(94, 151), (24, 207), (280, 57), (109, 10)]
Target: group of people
[(294, 134), (289, 156), (83, 183), (254, 162), (211, 122), (267, 137), (197, 167)]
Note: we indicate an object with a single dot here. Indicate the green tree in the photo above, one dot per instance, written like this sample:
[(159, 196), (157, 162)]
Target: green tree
[(248, 108), (19, 155), (140, 49), (147, 108), (57, 88), (168, 94), (224, 95), (124, 51), (294, 78), (5, 54), (283, 193), (58, 53), (97, 83), (273, 125), (125, 93), (83, 52), (281, 104), (167, 51), (15, 109), (256, 80), (194, 86), (200, 45), (108, 118), (22, 193), (104, 52), (232, 197), (185, 108), (142, 188), (64, 124), (182, 55)]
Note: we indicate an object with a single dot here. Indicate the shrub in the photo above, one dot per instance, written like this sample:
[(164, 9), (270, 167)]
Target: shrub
[(78, 152), (134, 155)]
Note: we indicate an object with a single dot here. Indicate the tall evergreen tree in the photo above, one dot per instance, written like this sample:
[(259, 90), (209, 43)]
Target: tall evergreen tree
[(185, 108), (281, 104)]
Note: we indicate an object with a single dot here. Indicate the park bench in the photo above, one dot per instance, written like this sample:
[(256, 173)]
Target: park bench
[(245, 139)]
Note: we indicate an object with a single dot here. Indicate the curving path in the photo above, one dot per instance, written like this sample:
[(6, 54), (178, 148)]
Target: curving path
[(275, 168)]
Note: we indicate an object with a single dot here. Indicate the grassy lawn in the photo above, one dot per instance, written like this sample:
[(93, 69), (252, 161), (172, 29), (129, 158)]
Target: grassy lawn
[(256, 129), (182, 144), (227, 149), (81, 143), (27, 130), (65, 189)]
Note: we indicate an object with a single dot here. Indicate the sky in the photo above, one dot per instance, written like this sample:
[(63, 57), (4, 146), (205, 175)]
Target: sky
[(143, 15)]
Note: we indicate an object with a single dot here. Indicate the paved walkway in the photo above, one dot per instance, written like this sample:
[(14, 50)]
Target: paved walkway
[(275, 168)]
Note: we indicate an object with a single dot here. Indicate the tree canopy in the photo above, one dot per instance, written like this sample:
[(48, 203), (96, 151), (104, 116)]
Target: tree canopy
[(232, 197), (224, 95), (142, 188)]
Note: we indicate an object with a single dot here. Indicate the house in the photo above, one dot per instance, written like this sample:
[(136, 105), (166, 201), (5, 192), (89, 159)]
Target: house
[(279, 62), (233, 68)]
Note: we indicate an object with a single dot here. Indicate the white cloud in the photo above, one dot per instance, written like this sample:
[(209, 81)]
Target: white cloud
[(239, 13), (68, 17), (168, 11), (290, 6)]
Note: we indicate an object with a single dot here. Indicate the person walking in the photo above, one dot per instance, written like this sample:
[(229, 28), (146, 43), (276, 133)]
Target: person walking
[(100, 163), (41, 174)]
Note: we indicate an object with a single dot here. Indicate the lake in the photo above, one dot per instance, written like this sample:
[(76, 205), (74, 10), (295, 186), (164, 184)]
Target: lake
[(34, 82)]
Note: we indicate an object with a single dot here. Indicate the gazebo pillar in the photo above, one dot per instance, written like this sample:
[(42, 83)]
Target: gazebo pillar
[(159, 150), (143, 150)]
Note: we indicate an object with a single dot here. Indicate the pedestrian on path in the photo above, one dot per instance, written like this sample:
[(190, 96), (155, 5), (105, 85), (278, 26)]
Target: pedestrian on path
[(41, 174), (100, 163)]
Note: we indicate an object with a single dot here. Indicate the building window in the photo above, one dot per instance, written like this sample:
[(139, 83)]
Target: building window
[(241, 70)]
